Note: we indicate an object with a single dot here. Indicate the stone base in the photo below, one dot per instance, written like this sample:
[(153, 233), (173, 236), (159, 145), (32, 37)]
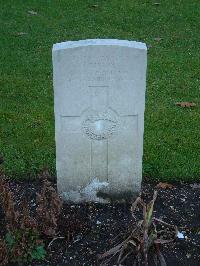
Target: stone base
[(99, 192)]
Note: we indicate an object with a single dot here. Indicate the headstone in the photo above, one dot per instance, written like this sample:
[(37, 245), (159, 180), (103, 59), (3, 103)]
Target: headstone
[(99, 91)]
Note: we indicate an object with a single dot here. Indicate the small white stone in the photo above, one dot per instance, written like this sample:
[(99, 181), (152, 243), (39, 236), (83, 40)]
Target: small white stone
[(180, 235)]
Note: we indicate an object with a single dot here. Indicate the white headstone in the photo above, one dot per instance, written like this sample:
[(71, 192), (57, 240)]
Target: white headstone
[(99, 90)]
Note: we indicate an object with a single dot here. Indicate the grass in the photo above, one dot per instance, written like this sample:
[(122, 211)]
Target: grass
[(172, 138)]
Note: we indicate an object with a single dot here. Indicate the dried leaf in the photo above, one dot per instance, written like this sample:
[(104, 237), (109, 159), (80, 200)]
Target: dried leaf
[(158, 39), (164, 185), (161, 259), (94, 6), (152, 236), (112, 251), (149, 210), (137, 202), (20, 33), (186, 104), (132, 242), (164, 223), (31, 12), (121, 254), (124, 257)]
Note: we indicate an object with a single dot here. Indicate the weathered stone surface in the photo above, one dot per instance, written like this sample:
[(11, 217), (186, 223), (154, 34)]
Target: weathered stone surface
[(99, 90)]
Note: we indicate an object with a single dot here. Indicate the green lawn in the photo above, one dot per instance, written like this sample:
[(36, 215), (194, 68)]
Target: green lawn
[(172, 133)]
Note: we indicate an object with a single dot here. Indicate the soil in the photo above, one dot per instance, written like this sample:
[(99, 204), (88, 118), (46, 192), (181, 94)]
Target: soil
[(89, 229)]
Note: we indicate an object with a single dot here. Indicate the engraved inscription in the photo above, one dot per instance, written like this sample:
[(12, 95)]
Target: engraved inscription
[(101, 67), (100, 125)]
